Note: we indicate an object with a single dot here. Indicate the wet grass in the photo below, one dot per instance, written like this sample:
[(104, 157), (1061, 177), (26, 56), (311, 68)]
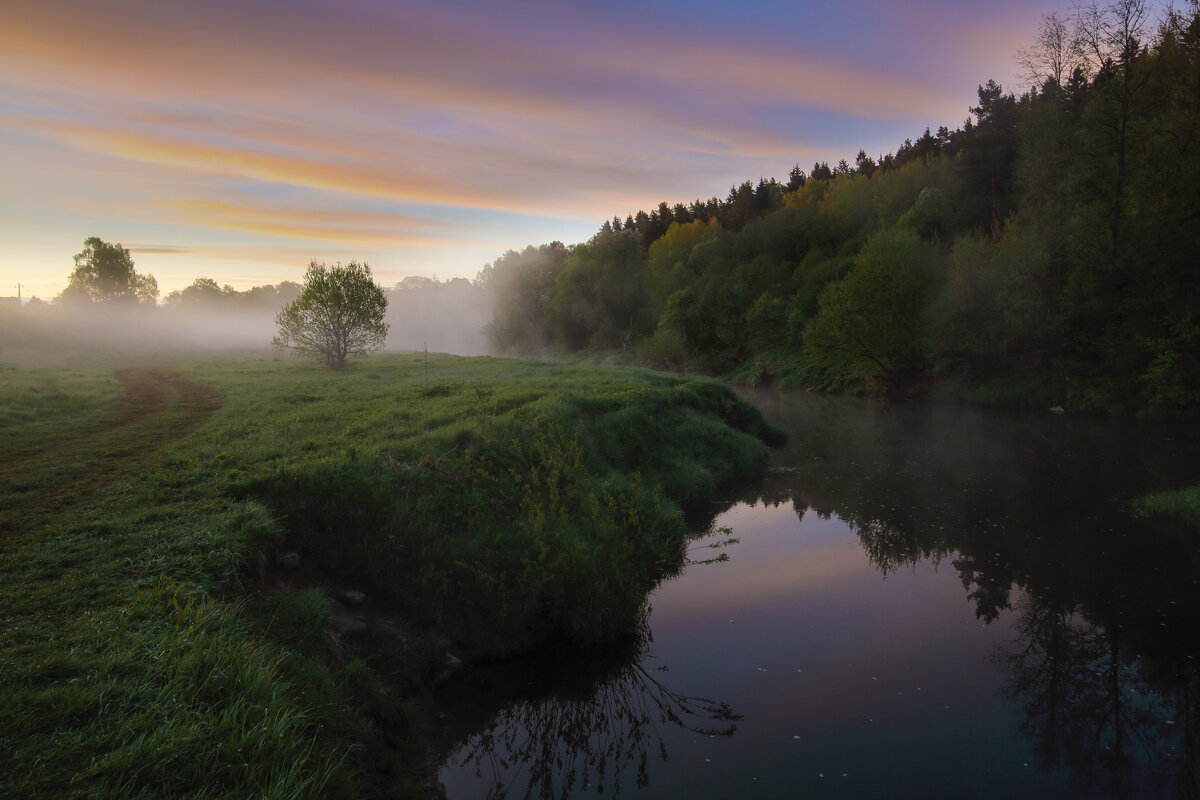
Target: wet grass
[(1183, 504), (491, 503), (68, 434)]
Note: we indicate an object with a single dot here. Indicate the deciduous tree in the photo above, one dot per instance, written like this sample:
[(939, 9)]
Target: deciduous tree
[(339, 314), (105, 273)]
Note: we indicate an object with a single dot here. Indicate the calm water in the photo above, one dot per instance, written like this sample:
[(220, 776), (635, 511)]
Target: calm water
[(923, 602)]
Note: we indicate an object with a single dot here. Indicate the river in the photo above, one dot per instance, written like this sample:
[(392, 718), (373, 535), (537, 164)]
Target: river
[(922, 601)]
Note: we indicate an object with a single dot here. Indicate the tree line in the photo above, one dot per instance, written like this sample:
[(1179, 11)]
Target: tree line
[(1044, 251), (105, 277), (418, 312)]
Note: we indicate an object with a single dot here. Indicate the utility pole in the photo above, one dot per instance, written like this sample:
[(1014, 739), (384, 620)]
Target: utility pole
[(18, 294)]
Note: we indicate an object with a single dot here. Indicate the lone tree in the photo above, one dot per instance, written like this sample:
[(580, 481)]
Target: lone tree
[(104, 273), (338, 314)]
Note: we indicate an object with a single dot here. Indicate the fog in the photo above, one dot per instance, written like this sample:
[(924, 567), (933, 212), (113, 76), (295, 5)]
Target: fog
[(447, 317)]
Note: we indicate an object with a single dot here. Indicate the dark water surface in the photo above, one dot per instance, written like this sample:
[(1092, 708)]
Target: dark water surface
[(925, 601)]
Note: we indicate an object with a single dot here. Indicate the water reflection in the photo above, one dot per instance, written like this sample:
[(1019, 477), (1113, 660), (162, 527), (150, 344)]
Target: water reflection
[(1029, 512), (571, 721), (1086, 703), (1104, 667)]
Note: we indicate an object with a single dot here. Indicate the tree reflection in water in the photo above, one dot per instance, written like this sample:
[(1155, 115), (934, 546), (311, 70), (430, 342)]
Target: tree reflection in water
[(1104, 675), (1033, 515), (595, 721), (1086, 704)]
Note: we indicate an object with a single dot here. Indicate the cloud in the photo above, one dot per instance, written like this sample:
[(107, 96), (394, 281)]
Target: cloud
[(360, 123), (364, 228), (579, 88), (411, 176), (157, 249), (272, 254)]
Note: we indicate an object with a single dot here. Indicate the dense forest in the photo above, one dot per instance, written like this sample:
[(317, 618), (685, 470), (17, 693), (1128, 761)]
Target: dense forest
[(1046, 251)]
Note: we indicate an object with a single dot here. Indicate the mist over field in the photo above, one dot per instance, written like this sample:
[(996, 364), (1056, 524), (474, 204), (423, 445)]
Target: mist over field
[(422, 313), (447, 317)]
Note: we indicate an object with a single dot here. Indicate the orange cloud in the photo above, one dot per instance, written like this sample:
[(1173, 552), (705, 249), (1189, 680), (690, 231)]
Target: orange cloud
[(587, 186), (390, 182), (556, 113), (295, 257), (361, 228), (510, 83)]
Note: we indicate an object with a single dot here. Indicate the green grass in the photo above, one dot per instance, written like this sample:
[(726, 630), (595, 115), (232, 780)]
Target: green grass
[(1182, 504), (67, 434), (40, 405), (491, 505)]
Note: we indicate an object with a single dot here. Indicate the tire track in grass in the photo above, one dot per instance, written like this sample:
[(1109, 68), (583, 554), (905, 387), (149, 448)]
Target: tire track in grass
[(160, 407)]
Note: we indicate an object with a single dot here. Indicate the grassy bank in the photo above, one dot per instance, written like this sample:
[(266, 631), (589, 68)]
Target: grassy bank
[(153, 648)]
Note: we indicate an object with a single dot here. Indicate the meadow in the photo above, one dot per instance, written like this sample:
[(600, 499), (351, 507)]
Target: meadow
[(156, 642)]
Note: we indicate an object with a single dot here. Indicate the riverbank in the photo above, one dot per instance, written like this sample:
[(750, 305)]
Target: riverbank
[(1042, 392), (172, 539), (910, 577)]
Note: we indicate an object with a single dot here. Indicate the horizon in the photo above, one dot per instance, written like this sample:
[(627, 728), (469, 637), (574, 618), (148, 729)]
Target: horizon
[(430, 139)]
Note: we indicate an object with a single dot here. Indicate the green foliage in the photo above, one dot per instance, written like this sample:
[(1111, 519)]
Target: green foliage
[(205, 292), (523, 284), (848, 209), (1070, 213), (104, 273), (205, 295), (488, 489), (995, 311), (668, 259), (1173, 378), (338, 314), (599, 298), (869, 331), (764, 321), (1183, 504), (666, 347)]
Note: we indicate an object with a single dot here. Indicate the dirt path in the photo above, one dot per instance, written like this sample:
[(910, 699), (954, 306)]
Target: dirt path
[(160, 407)]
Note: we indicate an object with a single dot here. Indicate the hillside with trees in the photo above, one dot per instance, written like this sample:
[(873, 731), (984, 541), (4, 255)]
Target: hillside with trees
[(1045, 252)]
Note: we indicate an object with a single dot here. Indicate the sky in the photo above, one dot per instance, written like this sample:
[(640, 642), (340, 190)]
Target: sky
[(240, 140)]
